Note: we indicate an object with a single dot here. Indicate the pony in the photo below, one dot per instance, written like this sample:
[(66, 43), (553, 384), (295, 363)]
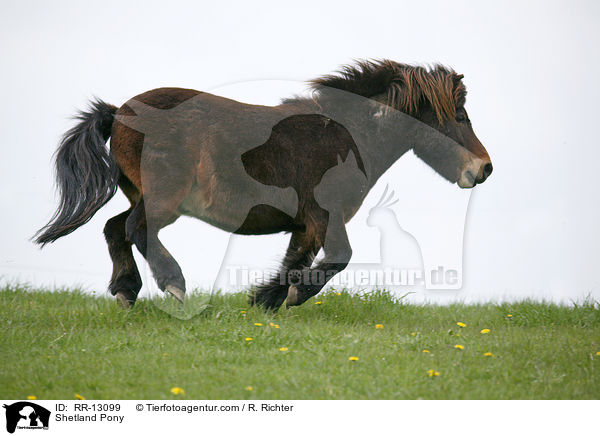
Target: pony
[(303, 167)]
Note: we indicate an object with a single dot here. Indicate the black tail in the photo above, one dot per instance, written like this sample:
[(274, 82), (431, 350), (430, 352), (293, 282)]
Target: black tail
[(86, 172)]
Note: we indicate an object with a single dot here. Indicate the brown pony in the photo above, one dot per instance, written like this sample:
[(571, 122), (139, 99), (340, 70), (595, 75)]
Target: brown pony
[(304, 167)]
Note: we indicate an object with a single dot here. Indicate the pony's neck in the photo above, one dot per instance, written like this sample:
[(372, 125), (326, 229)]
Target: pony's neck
[(383, 134), (381, 137)]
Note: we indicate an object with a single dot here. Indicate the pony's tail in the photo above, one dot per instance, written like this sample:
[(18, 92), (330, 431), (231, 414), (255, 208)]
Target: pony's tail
[(86, 173)]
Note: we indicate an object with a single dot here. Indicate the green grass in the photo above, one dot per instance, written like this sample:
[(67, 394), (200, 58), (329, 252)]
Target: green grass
[(56, 344)]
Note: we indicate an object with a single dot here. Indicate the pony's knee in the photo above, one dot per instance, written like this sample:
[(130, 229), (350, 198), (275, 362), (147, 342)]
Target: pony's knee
[(340, 257), (346, 255)]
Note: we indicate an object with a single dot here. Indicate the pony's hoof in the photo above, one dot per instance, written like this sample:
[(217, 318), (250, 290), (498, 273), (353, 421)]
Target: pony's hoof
[(179, 294), (292, 296), (123, 301)]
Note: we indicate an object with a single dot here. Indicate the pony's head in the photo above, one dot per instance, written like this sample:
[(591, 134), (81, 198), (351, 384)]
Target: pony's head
[(436, 97)]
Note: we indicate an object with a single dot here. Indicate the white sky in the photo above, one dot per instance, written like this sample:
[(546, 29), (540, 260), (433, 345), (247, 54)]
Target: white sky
[(531, 69)]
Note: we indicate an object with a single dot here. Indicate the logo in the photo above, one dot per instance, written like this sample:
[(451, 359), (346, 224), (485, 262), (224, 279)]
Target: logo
[(26, 415)]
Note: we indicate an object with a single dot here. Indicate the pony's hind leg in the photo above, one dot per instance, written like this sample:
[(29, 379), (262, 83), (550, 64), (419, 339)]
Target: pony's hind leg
[(299, 256), (142, 228), (125, 282)]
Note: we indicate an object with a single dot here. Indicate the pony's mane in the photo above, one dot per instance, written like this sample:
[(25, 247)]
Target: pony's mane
[(405, 87)]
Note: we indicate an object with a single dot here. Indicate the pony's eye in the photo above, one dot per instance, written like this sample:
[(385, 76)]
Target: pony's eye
[(461, 118)]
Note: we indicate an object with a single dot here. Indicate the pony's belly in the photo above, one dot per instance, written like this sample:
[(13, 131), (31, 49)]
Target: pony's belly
[(239, 212), (198, 204)]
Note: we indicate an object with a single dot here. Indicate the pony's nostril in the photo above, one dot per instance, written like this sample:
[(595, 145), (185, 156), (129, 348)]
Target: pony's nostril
[(487, 170)]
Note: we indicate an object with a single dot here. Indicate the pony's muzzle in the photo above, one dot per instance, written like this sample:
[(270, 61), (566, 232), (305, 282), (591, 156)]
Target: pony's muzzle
[(486, 172), (475, 173)]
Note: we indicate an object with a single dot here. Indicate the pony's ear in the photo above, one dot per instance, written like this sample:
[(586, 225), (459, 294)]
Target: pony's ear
[(458, 78)]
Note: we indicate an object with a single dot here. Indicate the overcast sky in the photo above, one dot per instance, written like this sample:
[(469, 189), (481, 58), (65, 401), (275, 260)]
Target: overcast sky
[(531, 69)]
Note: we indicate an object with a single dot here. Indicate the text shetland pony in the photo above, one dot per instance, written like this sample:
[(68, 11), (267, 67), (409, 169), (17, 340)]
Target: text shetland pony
[(303, 167)]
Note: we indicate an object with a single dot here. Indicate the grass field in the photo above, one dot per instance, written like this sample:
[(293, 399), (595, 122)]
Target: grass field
[(55, 345)]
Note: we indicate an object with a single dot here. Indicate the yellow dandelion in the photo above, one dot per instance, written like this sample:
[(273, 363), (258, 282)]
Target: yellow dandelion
[(271, 324), (177, 391), (31, 397), (425, 351), (283, 349), (249, 388), (459, 347), (597, 353), (488, 354), (248, 339), (461, 324), (276, 326), (353, 359), (79, 397), (509, 315), (413, 333), (378, 326), (258, 324), (318, 302), (338, 293), (484, 331), (243, 312), (432, 373)]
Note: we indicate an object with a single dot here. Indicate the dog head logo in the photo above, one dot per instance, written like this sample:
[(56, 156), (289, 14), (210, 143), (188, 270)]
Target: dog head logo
[(26, 415)]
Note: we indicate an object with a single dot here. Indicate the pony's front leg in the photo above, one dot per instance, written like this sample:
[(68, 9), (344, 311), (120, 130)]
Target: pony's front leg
[(299, 255), (337, 256)]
